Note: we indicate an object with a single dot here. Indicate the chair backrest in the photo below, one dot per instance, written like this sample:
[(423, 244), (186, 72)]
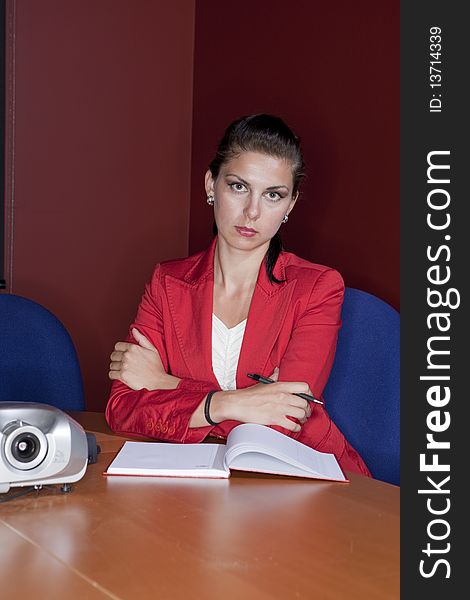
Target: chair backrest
[(363, 392), (38, 361)]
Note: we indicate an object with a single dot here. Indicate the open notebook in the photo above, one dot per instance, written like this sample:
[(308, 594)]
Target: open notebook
[(249, 447)]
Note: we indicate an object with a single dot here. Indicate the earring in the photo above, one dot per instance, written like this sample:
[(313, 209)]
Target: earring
[(285, 219), (210, 200)]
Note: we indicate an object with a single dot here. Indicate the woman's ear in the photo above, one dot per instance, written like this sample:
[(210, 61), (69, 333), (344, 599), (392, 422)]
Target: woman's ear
[(209, 183)]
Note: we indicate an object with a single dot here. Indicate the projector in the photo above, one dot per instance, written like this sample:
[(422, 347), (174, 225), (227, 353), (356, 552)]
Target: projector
[(39, 445)]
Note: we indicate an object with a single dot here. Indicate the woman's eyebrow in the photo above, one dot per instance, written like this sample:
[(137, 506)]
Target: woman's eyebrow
[(271, 187), (238, 177), (278, 187)]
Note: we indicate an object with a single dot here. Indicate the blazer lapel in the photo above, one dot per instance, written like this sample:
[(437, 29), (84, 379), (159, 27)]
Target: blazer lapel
[(190, 300), (266, 316)]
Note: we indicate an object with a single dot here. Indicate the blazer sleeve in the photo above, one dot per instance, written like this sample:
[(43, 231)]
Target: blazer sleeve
[(163, 414), (309, 357)]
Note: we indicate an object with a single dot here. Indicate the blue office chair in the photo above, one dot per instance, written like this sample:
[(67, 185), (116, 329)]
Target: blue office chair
[(38, 362), (363, 392)]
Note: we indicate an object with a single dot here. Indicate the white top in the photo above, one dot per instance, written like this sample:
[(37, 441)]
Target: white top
[(226, 346)]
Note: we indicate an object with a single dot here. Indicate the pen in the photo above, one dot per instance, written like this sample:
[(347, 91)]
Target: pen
[(262, 379)]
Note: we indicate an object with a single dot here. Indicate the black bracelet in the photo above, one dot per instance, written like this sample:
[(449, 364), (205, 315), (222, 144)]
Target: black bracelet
[(207, 405)]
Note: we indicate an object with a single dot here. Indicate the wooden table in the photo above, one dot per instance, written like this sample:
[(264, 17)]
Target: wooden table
[(248, 537)]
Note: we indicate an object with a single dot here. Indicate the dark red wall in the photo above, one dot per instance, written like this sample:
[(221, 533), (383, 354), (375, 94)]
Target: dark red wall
[(331, 70), (98, 160)]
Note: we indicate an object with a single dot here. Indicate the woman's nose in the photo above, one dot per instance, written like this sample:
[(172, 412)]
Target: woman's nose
[(252, 208)]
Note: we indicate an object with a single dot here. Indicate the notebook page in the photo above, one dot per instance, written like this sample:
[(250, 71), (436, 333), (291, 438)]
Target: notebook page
[(184, 460), (264, 463), (259, 438)]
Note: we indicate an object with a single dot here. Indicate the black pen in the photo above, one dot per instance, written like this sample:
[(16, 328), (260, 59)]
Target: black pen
[(262, 379)]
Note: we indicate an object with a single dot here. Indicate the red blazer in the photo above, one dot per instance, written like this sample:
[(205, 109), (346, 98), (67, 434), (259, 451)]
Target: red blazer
[(292, 325)]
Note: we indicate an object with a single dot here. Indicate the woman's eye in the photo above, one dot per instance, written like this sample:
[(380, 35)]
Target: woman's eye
[(273, 196), (237, 186)]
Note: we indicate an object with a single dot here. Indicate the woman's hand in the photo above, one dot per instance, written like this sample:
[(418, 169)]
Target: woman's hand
[(138, 365), (265, 404)]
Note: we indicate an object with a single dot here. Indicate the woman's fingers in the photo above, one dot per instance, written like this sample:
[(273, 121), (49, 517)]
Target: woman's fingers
[(291, 407), (298, 387), (305, 405), (283, 407), (290, 425), (122, 346), (296, 412)]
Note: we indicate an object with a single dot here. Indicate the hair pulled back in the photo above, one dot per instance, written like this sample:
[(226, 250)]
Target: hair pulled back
[(269, 135)]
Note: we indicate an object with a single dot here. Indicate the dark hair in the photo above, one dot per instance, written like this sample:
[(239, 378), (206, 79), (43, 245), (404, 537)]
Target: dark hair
[(269, 135)]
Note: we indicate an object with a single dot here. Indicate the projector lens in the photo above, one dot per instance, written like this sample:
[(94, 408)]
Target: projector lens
[(25, 447)]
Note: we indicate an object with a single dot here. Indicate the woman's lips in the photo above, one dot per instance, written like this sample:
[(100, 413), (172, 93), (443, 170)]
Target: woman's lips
[(246, 231)]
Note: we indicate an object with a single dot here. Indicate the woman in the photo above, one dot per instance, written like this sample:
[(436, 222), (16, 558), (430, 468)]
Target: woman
[(242, 306)]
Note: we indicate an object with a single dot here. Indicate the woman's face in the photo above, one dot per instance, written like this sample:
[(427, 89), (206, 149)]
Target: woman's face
[(252, 194)]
